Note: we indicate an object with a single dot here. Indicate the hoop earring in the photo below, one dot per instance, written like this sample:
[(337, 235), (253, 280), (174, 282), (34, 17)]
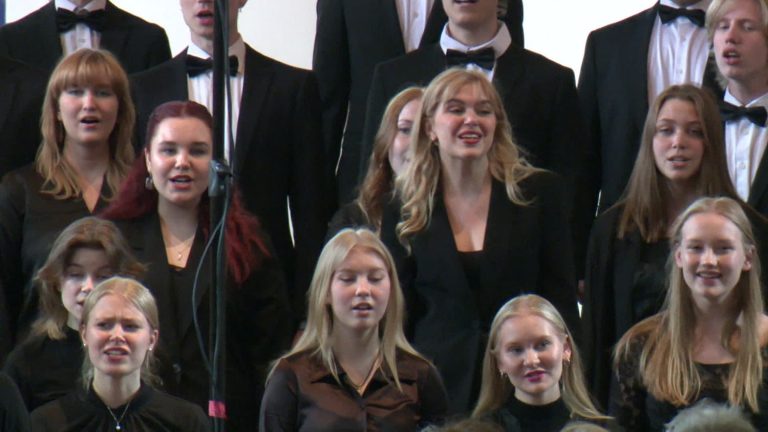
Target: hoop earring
[(148, 184)]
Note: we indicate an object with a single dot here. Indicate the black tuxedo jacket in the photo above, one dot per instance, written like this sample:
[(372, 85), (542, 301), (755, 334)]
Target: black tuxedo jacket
[(22, 89), (352, 37), (527, 250), (35, 40), (258, 329), (278, 154), (758, 191), (613, 89)]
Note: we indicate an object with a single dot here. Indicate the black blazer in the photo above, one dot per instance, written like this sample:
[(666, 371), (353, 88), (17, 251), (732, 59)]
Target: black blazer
[(352, 37), (540, 99), (278, 154), (259, 324), (22, 89), (35, 40), (527, 250), (613, 90)]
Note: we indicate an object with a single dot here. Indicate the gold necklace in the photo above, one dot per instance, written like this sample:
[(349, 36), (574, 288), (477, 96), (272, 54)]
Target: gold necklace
[(368, 376)]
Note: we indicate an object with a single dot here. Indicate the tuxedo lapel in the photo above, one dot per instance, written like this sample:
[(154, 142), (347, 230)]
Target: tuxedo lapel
[(635, 69), (435, 23), (46, 43), (114, 36), (390, 22), (757, 192), (256, 84), (509, 68), (503, 222), (8, 90)]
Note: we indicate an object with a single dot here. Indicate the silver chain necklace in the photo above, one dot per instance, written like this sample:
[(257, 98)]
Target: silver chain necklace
[(118, 420)]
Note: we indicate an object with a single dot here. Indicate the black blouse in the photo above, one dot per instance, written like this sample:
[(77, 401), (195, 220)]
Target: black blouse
[(518, 416), (149, 410), (302, 395), (638, 410), (45, 369)]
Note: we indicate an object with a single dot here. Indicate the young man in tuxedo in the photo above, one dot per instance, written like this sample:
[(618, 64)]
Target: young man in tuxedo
[(278, 158), (737, 31), (60, 27), (626, 65), (352, 37)]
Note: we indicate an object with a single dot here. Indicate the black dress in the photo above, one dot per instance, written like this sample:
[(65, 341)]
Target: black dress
[(149, 410), (637, 410), (45, 369), (30, 221), (13, 414)]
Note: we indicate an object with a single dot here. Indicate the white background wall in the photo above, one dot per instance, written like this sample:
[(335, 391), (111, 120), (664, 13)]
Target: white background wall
[(285, 29)]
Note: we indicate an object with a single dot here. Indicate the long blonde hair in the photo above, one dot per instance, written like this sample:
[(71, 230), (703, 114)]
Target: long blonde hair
[(419, 184), (82, 68), (496, 390), (646, 198), (666, 362), (316, 339)]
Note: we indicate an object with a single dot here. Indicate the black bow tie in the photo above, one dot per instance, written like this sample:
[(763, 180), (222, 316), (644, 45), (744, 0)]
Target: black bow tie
[(197, 65), (757, 115), (485, 58), (668, 14), (66, 20)]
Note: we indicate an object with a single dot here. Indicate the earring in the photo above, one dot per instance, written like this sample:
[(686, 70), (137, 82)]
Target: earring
[(502, 374), (148, 182)]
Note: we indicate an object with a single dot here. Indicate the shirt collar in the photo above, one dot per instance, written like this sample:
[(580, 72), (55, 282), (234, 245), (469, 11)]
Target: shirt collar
[(702, 5), (237, 49), (760, 101), (500, 42), (91, 6)]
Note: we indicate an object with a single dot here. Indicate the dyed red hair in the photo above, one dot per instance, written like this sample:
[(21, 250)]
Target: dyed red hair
[(246, 247)]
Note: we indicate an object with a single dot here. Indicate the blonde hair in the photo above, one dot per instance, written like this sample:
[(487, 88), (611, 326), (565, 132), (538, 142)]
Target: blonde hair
[(379, 179), (419, 183), (138, 296), (715, 13), (496, 390), (316, 339), (666, 362), (646, 199), (84, 67), (86, 233)]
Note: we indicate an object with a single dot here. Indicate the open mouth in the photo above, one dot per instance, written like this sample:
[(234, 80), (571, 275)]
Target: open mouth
[(181, 180), (89, 120), (362, 307)]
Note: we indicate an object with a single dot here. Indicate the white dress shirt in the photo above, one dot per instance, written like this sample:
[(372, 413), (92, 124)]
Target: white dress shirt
[(201, 89), (81, 36), (500, 42), (677, 52), (745, 144), (413, 15)]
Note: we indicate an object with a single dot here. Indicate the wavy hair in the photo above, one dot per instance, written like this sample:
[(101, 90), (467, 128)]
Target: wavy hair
[(496, 390), (86, 233), (647, 196), (84, 68), (419, 184), (666, 362), (379, 182), (137, 295), (316, 339)]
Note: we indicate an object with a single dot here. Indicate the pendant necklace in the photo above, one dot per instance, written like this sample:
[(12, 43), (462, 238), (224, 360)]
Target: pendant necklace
[(118, 427)]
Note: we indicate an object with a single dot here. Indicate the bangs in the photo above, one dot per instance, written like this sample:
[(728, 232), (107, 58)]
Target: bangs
[(91, 69)]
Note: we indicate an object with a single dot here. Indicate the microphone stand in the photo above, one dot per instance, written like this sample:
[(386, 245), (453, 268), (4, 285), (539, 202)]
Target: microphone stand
[(218, 190)]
